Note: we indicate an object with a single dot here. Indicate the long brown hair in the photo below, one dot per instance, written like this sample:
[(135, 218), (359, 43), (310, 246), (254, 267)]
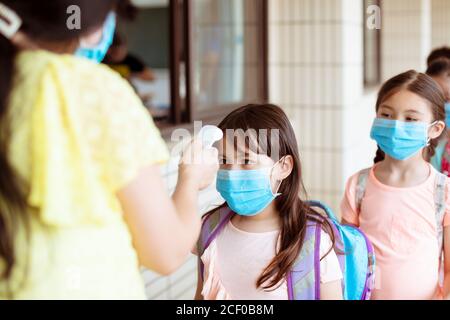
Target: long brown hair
[(294, 213), (42, 21), (422, 85)]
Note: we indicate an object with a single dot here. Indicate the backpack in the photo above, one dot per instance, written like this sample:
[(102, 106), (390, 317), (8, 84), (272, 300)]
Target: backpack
[(445, 161), (439, 201), (355, 254)]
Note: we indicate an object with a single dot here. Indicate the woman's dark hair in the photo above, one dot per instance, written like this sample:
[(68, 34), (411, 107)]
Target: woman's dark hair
[(42, 22), (438, 53), (422, 85), (294, 212)]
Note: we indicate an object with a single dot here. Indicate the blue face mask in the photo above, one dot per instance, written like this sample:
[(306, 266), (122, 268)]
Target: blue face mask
[(98, 52), (247, 192), (447, 114), (400, 140)]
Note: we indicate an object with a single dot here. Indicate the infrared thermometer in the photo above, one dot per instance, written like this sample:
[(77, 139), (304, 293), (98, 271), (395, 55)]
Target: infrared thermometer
[(210, 135)]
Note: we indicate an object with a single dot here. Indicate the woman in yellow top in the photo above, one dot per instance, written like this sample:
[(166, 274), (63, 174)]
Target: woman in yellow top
[(82, 202)]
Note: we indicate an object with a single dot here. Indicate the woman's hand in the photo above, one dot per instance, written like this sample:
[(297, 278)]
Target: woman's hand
[(198, 166)]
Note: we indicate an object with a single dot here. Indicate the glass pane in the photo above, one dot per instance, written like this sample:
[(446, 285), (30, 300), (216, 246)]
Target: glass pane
[(226, 52), (140, 53)]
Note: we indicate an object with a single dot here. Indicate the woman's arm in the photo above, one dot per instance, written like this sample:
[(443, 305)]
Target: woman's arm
[(447, 263), (330, 271), (164, 230), (146, 74)]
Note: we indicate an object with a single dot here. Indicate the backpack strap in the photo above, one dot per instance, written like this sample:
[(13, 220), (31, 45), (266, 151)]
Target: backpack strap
[(440, 205), (303, 280), (212, 224), (445, 160), (361, 188)]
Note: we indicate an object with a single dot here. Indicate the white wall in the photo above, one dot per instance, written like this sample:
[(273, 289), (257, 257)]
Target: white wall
[(406, 35), (440, 11), (316, 75)]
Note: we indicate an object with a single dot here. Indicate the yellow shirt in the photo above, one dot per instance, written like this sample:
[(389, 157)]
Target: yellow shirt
[(78, 135)]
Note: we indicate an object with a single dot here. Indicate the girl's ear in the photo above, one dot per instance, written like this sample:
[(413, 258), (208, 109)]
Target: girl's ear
[(436, 130), (284, 168)]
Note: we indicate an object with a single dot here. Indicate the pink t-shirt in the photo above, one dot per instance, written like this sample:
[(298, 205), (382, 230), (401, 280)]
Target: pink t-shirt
[(234, 261), (401, 224)]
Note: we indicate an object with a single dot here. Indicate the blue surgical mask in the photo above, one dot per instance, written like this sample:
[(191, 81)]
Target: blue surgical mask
[(400, 140), (447, 114), (247, 192), (98, 52)]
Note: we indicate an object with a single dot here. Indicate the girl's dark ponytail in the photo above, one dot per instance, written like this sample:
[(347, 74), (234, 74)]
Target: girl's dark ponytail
[(12, 202), (431, 149), (7, 54), (379, 156)]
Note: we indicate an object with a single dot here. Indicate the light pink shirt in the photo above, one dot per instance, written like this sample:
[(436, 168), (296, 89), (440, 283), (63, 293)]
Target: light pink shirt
[(400, 222), (235, 260)]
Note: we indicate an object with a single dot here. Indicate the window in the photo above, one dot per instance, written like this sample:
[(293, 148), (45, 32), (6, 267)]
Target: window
[(227, 54), (203, 57), (147, 42), (372, 49)]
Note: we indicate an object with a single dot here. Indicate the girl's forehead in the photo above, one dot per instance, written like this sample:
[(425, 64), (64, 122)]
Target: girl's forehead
[(227, 146), (407, 101)]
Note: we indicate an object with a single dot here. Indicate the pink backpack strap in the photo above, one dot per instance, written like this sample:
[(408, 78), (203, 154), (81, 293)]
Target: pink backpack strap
[(445, 161), (440, 205), (303, 281), (212, 225), (361, 185)]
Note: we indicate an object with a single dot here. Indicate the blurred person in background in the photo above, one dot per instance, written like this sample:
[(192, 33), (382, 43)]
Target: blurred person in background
[(125, 63), (438, 53), (439, 70)]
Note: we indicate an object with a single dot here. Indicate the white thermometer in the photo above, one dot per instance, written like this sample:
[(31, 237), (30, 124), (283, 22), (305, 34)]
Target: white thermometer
[(209, 135)]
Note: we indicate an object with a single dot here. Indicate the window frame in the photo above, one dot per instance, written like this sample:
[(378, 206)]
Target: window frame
[(371, 84)]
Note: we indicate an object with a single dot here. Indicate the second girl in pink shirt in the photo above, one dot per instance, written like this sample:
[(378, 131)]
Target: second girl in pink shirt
[(402, 203)]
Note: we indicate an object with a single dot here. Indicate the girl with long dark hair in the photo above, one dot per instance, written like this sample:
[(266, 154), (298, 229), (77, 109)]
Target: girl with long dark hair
[(260, 178)]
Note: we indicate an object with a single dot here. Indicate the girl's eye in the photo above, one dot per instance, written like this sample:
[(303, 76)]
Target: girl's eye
[(411, 119), (385, 115)]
